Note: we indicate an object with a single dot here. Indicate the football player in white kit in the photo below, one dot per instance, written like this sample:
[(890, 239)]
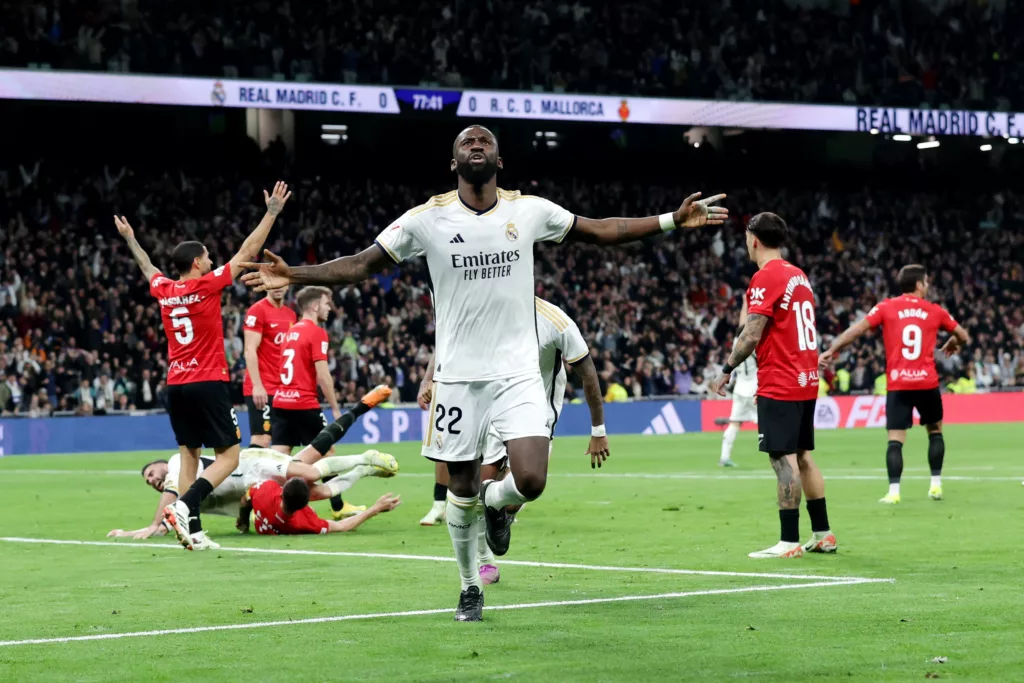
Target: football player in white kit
[(478, 242), (744, 389), (560, 344)]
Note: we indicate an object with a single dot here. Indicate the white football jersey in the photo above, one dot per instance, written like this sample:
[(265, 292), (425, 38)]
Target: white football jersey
[(224, 500), (559, 340), (746, 377), (481, 272)]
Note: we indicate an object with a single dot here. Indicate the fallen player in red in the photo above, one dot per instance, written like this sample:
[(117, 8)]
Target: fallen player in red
[(284, 511)]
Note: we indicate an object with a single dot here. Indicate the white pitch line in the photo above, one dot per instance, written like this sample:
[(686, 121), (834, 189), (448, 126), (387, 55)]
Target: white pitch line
[(702, 476), (437, 558), (422, 612)]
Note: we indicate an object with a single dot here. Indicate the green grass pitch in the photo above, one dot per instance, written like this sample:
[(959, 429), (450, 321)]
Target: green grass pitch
[(661, 502)]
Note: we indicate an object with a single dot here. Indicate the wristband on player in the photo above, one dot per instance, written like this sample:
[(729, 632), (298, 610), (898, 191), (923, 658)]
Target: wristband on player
[(597, 431), (727, 369), (667, 222)]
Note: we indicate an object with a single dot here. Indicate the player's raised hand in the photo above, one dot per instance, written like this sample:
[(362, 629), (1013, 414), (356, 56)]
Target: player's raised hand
[(276, 200), (718, 386), (123, 227), (826, 358), (388, 502), (598, 451), (696, 212), (272, 274)]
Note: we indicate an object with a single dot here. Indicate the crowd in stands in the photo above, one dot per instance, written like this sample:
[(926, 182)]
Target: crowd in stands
[(79, 331), (960, 54)]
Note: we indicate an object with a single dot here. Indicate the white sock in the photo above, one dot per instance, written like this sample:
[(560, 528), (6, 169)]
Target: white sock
[(894, 489), (336, 464), (728, 439), (504, 492), (936, 480), (483, 552), (462, 513), (343, 482)]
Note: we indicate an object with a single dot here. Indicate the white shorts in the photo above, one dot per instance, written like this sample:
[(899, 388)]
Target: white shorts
[(743, 409), (462, 414), (261, 464), (494, 448)]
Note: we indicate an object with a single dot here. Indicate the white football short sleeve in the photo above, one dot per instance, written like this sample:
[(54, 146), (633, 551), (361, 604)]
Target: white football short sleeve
[(553, 222), (401, 240)]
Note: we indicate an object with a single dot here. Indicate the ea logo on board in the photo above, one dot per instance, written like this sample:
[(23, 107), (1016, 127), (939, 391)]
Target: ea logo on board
[(511, 233), (826, 413)]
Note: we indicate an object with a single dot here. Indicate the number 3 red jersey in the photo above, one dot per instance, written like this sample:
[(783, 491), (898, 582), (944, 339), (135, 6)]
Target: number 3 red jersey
[(195, 330), (910, 326), (305, 344), (787, 355), (272, 323)]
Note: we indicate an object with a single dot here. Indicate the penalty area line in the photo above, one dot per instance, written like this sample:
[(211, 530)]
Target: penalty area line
[(436, 558), (423, 612)]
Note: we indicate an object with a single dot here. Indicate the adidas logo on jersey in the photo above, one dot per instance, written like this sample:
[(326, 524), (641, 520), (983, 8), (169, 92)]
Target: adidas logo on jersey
[(666, 422), (457, 240)]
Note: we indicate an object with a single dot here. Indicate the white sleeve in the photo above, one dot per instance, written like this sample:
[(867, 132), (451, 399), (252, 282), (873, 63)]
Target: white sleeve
[(173, 470), (553, 222), (573, 345), (402, 239)]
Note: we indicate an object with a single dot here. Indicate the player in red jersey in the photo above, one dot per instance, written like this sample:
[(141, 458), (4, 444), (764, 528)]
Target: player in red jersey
[(285, 511), (265, 326), (910, 326), (198, 399), (780, 326)]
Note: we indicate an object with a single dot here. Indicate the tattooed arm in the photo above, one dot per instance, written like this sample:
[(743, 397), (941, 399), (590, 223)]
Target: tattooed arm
[(275, 273), (693, 213), (741, 350)]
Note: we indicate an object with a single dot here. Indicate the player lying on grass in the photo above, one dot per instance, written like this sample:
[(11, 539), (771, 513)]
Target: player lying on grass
[(277, 510), (259, 464)]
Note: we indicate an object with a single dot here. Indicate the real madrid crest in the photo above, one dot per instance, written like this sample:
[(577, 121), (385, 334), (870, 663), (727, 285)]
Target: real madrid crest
[(511, 233), (437, 442)]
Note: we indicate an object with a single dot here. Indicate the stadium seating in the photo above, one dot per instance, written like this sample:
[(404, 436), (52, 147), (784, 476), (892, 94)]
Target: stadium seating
[(964, 55)]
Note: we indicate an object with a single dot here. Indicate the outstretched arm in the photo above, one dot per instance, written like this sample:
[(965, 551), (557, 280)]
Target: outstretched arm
[(598, 447), (250, 248), (385, 503), (275, 273), (741, 350), (842, 341), (138, 253), (155, 528), (693, 213)]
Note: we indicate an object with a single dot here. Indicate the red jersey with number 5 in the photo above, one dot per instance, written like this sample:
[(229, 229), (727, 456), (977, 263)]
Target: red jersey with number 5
[(305, 344), (195, 330), (910, 326), (272, 323), (270, 521), (787, 355)]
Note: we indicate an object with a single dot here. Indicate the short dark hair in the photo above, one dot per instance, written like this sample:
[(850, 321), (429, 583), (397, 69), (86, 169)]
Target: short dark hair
[(909, 276), (473, 125), (769, 228), (150, 464), (295, 495), (308, 296), (185, 254)]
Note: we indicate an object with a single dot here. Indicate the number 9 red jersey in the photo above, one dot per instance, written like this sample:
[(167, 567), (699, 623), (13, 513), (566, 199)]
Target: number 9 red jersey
[(195, 329), (910, 326), (787, 355)]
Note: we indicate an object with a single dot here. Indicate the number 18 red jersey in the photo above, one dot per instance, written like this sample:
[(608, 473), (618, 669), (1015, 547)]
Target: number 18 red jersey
[(787, 355), (910, 326), (195, 329)]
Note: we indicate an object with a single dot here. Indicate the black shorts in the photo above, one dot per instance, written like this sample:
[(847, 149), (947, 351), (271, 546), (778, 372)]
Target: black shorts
[(295, 427), (785, 427), (899, 407), (202, 415), (259, 420)]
